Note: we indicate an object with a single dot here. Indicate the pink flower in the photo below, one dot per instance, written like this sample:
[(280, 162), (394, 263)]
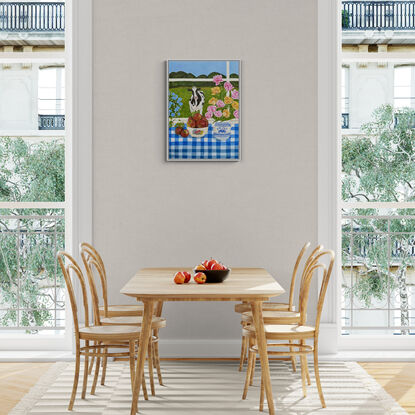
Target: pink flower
[(228, 86), (236, 114), (211, 108), (235, 94), (220, 103), (209, 115), (218, 114), (217, 79)]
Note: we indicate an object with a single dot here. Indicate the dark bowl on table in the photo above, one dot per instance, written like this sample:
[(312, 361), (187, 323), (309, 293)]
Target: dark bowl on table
[(214, 276)]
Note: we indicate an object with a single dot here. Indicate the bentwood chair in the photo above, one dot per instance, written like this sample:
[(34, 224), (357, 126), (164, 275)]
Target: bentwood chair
[(296, 334), (104, 338), (269, 306), (93, 261)]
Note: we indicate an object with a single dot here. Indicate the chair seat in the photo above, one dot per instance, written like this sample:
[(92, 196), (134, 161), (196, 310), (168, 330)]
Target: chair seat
[(284, 331), (122, 310), (274, 317), (115, 333), (156, 322), (266, 306)]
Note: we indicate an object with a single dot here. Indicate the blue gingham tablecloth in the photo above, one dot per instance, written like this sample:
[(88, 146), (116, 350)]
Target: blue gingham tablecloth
[(206, 148)]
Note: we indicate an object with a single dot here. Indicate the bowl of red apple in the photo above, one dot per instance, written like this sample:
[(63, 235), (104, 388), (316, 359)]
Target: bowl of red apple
[(197, 125), (215, 271)]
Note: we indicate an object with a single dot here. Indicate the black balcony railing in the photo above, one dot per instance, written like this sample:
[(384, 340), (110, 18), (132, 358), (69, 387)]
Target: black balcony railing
[(51, 122), (32, 17), (378, 15), (345, 120)]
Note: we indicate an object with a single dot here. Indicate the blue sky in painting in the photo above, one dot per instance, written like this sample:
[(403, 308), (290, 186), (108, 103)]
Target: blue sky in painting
[(203, 67)]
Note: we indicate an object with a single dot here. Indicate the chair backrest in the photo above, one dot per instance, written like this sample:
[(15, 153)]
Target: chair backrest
[(310, 269), (68, 264), (92, 260), (294, 274)]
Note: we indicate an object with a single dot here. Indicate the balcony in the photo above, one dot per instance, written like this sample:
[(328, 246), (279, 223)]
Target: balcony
[(31, 23), (345, 120), (51, 122), (378, 22)]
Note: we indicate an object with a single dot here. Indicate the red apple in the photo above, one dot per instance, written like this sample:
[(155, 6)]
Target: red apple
[(200, 278), (203, 123), (197, 116), (184, 133), (179, 278), (191, 123), (211, 263), (217, 267), (205, 264), (178, 130), (187, 276)]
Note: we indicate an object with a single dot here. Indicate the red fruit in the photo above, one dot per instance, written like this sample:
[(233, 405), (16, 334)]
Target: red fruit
[(179, 278), (216, 267), (205, 264), (200, 278), (178, 130), (203, 123), (211, 263), (184, 133), (200, 267), (187, 276), (197, 116), (191, 122)]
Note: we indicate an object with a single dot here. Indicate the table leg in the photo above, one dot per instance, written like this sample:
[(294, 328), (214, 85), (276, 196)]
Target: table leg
[(142, 350), (262, 351)]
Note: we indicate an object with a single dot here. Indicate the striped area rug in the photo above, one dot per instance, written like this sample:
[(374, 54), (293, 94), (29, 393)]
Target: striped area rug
[(213, 388)]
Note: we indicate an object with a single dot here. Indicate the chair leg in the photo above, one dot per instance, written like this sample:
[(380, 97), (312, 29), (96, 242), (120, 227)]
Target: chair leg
[(97, 367), (132, 362), (144, 386), (317, 373), (75, 379), (157, 360), (262, 395), (243, 353), (104, 367), (253, 366), (150, 366), (293, 358), (248, 373), (86, 370), (303, 375), (91, 364)]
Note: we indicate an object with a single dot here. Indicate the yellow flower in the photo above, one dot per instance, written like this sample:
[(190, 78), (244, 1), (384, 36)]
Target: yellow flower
[(228, 100), (215, 90), (235, 105), (212, 101), (226, 113)]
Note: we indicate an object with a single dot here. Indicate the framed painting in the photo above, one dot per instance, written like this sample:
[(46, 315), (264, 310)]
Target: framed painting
[(203, 110)]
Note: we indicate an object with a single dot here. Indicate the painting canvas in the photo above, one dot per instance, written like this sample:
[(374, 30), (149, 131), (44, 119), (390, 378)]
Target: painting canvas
[(203, 110)]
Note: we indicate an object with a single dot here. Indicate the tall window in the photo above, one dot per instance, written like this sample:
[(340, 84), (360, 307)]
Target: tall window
[(33, 190), (404, 86)]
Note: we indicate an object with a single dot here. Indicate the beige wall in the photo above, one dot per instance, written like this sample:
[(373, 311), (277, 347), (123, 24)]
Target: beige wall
[(257, 212)]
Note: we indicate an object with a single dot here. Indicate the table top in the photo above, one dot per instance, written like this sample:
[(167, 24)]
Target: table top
[(242, 284)]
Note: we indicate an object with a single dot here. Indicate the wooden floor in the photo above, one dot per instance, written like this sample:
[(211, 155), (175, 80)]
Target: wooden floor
[(397, 378), (15, 381)]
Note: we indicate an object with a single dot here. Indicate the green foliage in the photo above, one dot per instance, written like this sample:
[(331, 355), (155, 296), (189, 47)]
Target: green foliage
[(31, 171), (380, 166), (345, 19)]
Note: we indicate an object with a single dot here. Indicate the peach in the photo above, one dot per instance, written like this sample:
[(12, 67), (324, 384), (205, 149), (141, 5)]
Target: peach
[(200, 267)]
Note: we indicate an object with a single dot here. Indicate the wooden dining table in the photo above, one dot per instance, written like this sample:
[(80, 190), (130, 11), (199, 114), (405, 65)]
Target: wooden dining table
[(251, 285)]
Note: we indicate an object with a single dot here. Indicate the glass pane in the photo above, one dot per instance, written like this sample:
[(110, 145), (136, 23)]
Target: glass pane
[(32, 288), (32, 170), (378, 166)]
